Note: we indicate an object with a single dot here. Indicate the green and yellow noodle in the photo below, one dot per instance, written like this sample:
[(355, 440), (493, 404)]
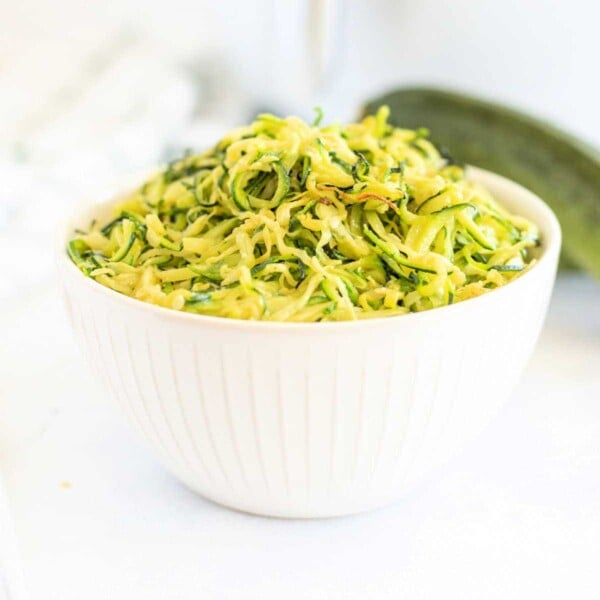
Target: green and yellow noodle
[(285, 221)]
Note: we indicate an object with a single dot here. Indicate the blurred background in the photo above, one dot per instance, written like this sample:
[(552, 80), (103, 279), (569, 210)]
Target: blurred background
[(92, 92)]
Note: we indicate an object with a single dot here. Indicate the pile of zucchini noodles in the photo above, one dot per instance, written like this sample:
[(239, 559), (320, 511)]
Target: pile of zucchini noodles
[(286, 221)]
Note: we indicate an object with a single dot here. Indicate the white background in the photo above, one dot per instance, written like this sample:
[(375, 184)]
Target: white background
[(92, 91), (538, 54), (516, 516)]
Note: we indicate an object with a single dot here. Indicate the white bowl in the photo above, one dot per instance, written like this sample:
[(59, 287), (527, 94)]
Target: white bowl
[(314, 419)]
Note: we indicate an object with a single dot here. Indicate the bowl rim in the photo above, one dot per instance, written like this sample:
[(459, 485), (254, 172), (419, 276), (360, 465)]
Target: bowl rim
[(546, 220)]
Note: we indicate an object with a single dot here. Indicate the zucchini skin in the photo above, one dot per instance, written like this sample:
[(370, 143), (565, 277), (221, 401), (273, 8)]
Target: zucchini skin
[(561, 169)]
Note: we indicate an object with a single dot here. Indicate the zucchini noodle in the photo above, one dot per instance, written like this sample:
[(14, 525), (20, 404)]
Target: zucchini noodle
[(285, 221)]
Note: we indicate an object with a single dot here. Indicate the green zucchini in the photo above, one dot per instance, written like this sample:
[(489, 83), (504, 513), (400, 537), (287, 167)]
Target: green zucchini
[(238, 191), (244, 198), (75, 249), (125, 247), (391, 252), (345, 166), (360, 170), (329, 289), (198, 298), (319, 230), (351, 289), (256, 269), (306, 168), (562, 170)]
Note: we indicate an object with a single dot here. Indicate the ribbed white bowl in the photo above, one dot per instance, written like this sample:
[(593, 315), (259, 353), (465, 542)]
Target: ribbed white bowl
[(314, 420)]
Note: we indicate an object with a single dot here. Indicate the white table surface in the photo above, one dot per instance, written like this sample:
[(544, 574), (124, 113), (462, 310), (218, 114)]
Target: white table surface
[(517, 515)]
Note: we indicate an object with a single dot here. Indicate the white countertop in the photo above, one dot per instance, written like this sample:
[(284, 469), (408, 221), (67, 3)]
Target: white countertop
[(516, 516)]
